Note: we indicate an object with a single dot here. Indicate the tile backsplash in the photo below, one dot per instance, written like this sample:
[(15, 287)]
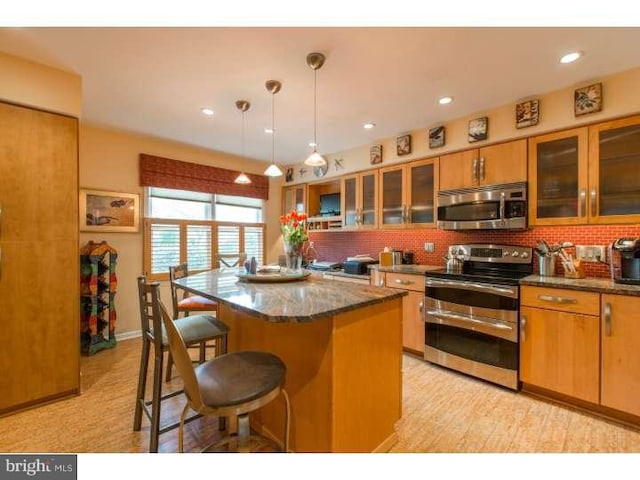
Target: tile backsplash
[(336, 246)]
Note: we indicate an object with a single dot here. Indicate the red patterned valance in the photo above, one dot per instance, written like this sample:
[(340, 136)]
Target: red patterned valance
[(169, 173)]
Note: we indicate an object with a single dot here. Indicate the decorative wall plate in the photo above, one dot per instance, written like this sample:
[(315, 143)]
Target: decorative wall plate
[(321, 171)]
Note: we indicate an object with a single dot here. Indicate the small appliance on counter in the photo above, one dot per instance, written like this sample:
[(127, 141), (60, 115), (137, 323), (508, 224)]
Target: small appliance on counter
[(358, 265), (324, 266), (389, 257), (624, 254)]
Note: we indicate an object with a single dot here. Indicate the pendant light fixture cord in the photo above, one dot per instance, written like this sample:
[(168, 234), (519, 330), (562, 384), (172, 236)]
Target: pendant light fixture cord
[(273, 130), (315, 108)]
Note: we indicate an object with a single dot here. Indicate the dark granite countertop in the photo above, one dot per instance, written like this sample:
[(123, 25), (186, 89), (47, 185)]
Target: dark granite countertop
[(600, 285), (301, 301)]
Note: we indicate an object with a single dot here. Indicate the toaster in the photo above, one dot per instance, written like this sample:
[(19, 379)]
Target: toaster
[(358, 266)]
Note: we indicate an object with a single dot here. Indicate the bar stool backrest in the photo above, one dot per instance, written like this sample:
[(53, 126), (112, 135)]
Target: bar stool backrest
[(150, 315)]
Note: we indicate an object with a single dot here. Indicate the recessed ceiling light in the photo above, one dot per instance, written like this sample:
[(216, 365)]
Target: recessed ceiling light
[(267, 130), (570, 57), (312, 144), (368, 126), (445, 100), (207, 111)]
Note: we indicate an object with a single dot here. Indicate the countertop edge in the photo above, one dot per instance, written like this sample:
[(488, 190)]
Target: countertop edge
[(598, 285)]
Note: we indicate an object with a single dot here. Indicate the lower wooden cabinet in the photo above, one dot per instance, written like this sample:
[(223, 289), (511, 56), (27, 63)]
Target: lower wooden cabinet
[(412, 324), (620, 342), (559, 351), (582, 345)]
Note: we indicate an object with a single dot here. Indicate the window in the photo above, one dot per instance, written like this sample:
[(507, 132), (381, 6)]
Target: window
[(207, 231)]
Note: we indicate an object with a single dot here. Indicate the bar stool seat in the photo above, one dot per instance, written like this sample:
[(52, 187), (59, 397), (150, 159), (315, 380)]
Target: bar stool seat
[(231, 385)]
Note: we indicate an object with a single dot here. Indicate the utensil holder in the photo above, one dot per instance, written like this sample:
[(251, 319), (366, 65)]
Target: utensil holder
[(547, 265)]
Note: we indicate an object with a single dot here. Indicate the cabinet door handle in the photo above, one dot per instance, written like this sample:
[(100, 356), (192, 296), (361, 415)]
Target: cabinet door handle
[(607, 319), (408, 213), (421, 306), (523, 327), (594, 202), (381, 282), (583, 203), (551, 298), (399, 281), (474, 171), (481, 168)]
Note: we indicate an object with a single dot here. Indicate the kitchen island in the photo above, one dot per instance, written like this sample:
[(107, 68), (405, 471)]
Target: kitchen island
[(342, 346)]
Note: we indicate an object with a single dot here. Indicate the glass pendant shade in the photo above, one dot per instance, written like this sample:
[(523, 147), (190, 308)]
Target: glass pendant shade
[(315, 160), (242, 179), (273, 171), (273, 86)]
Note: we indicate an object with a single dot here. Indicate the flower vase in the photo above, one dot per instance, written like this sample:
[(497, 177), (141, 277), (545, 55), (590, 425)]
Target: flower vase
[(293, 256)]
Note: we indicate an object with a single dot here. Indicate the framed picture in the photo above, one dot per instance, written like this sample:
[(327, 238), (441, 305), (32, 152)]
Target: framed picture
[(527, 113), (478, 129), (375, 154), (403, 144), (102, 211), (288, 176), (587, 99), (436, 137)]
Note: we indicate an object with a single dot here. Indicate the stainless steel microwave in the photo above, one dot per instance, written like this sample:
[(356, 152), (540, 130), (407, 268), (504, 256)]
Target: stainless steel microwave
[(490, 207)]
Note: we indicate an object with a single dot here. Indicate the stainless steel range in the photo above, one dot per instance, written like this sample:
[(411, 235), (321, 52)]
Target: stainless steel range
[(471, 318)]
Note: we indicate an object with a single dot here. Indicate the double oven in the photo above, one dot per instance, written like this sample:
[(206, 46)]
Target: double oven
[(471, 317)]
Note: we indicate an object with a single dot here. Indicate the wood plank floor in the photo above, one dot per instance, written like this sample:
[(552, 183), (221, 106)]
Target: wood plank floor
[(442, 412)]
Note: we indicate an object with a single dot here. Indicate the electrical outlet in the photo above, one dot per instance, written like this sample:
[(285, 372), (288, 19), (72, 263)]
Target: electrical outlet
[(429, 247), (591, 253)]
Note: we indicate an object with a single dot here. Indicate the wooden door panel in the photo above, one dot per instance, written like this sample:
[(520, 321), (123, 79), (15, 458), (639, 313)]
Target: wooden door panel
[(559, 351), (38, 173), (456, 170), (504, 163), (40, 321), (620, 387)]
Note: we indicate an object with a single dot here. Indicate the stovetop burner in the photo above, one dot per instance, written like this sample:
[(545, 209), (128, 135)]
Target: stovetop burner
[(499, 264)]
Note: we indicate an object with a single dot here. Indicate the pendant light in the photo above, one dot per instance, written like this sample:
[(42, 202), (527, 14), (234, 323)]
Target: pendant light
[(273, 86), (243, 106), (315, 61)]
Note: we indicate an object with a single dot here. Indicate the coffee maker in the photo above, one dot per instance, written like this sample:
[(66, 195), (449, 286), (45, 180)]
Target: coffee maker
[(625, 260)]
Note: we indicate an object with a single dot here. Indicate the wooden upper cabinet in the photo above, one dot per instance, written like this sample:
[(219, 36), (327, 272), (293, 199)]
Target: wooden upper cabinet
[(359, 197), (491, 165), (294, 198), (586, 175), (614, 162), (620, 336), (408, 194), (558, 178)]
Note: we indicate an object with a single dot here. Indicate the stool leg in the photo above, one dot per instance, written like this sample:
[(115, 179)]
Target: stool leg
[(142, 382), (181, 428), (244, 433), (169, 365), (203, 356), (221, 348), (154, 434), (287, 417)]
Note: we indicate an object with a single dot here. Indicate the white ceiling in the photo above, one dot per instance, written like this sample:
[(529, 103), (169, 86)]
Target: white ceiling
[(156, 80)]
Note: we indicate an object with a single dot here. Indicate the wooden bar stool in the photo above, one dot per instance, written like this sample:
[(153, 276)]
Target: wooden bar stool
[(194, 329), (231, 385)]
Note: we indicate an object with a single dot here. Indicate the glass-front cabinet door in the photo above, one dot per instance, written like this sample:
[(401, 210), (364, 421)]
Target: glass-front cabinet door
[(422, 193), (360, 200), (393, 206), (349, 206), (614, 166), (558, 178), (408, 194), (294, 198)]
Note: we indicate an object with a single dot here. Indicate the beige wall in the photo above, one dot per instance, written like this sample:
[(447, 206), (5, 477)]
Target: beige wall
[(35, 85), (109, 161), (621, 96)]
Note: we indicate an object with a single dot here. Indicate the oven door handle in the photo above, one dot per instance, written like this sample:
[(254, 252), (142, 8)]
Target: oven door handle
[(511, 292), (482, 325)]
